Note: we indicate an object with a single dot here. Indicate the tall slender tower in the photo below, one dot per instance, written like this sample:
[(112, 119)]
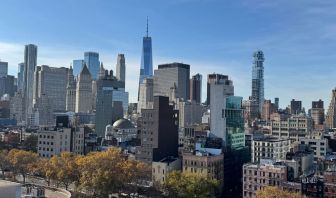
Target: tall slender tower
[(258, 78), (146, 69), (84, 91), (71, 92), (121, 68), (30, 62), (196, 88), (92, 62), (330, 120)]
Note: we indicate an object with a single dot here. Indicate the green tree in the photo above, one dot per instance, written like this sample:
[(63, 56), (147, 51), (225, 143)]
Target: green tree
[(190, 185)]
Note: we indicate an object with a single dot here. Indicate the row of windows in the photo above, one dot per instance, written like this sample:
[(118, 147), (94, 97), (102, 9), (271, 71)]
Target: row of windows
[(47, 136), (46, 149), (47, 143)]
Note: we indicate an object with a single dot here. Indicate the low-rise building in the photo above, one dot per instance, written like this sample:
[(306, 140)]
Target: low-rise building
[(269, 148), (318, 145), (258, 176), (162, 168)]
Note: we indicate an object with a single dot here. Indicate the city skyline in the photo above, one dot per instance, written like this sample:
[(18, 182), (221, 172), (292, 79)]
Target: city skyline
[(293, 66)]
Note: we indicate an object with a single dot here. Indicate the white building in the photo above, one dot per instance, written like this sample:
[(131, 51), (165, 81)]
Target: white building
[(318, 144), (84, 91), (146, 94), (122, 130), (162, 168), (269, 148), (52, 141)]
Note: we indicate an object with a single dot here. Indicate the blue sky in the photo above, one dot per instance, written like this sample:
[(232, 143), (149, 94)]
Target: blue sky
[(298, 39)]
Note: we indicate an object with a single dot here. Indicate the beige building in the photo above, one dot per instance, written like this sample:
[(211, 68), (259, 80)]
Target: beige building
[(267, 109), (71, 92), (204, 163), (269, 148), (258, 176), (293, 127), (84, 91), (162, 168)]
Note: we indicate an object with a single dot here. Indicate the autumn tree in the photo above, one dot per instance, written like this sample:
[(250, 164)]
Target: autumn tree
[(64, 168), (30, 143), (4, 163), (275, 192), (21, 162), (190, 185)]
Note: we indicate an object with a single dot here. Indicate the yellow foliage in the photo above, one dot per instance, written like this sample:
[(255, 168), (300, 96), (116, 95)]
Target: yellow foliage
[(275, 192)]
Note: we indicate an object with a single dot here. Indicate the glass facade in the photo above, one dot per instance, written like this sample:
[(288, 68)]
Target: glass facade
[(121, 95), (235, 136), (146, 69), (92, 61), (258, 78), (77, 66)]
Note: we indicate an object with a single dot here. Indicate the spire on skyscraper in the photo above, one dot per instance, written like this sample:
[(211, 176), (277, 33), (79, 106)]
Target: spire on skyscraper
[(147, 28)]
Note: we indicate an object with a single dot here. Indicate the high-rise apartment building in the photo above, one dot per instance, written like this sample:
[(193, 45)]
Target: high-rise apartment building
[(3, 69), (30, 61), (196, 88), (295, 106), (171, 75), (71, 92), (84, 91), (7, 85), (331, 113), (276, 103), (17, 108), (121, 68), (77, 66), (52, 81), (158, 131), (235, 133), (146, 94), (267, 109), (91, 60), (20, 77), (258, 79)]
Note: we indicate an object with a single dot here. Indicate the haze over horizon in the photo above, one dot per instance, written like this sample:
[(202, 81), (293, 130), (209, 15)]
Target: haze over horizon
[(297, 39)]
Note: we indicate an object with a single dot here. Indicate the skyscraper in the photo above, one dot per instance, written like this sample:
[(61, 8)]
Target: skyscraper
[(71, 92), (196, 88), (258, 78), (30, 61), (84, 91), (317, 113), (331, 113), (51, 81), (146, 68), (92, 62), (77, 66), (20, 76), (170, 75), (295, 106), (276, 103), (3, 69), (146, 94), (121, 68)]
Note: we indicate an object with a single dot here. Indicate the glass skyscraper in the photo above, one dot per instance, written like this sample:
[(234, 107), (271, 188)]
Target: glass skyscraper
[(77, 66), (92, 61), (146, 69), (258, 78)]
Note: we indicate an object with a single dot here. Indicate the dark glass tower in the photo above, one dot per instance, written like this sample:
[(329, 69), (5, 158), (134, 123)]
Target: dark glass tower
[(258, 78), (146, 68)]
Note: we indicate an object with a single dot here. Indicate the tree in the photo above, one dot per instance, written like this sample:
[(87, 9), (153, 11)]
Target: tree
[(4, 163), (30, 143), (275, 192), (64, 168), (190, 185), (22, 162)]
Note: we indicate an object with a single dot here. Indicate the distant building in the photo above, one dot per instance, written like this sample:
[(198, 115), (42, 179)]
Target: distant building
[(196, 88), (122, 130), (71, 92), (258, 176), (7, 85), (218, 79), (190, 113), (158, 131), (84, 91), (258, 79), (170, 75), (276, 103), (162, 168), (250, 109), (17, 108), (267, 109), (269, 148), (319, 145), (77, 66), (91, 60), (146, 94), (330, 120), (20, 78), (3, 69), (317, 113), (30, 62), (295, 107), (121, 68)]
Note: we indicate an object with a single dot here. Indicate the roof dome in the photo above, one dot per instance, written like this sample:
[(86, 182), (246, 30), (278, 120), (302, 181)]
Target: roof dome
[(123, 124)]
